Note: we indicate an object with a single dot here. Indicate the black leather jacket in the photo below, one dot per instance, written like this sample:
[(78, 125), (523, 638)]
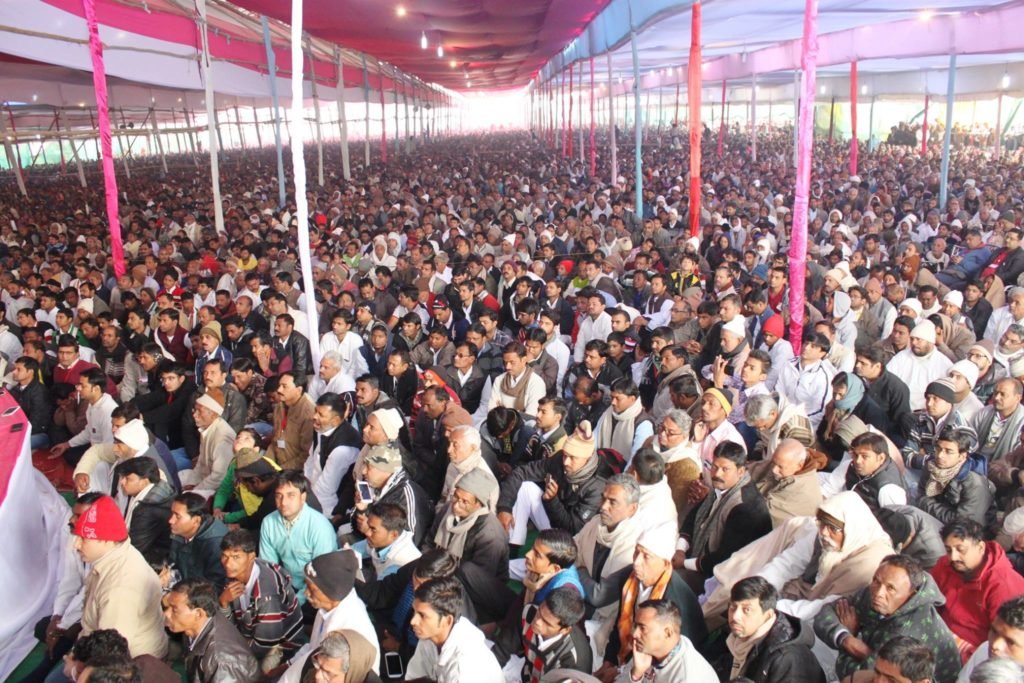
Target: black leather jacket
[(220, 655)]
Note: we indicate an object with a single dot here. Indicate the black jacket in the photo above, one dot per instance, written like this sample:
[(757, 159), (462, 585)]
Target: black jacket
[(34, 400), (469, 393), (869, 487), (571, 508), (200, 557), (893, 396), (747, 520), (969, 495), (297, 348), (149, 531), (165, 418), (220, 654), (782, 656), (1011, 267), (402, 390), (979, 315)]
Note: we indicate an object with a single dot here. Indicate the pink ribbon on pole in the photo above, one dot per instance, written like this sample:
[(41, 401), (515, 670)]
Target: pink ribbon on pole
[(805, 145), (570, 111), (693, 83), (593, 152), (99, 83)]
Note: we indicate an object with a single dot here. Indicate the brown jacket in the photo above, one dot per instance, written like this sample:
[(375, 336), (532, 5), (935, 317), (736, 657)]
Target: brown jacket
[(297, 434)]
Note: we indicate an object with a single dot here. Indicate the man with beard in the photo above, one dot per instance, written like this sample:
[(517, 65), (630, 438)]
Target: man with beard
[(920, 364), (807, 560)]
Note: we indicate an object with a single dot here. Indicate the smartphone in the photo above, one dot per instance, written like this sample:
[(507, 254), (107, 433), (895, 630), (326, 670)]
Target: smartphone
[(365, 494), (393, 666)]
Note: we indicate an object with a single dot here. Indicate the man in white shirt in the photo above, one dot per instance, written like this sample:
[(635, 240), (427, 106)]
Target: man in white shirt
[(597, 324), (334, 449), (330, 378), (347, 343), (98, 428), (1011, 313), (555, 347), (807, 381), (921, 363), (451, 649)]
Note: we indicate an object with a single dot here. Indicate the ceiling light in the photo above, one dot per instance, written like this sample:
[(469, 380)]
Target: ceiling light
[(863, 90), (81, 104), (36, 97), (423, 41), (400, 11), (452, 64), (822, 90), (1004, 84), (440, 51), (926, 15)]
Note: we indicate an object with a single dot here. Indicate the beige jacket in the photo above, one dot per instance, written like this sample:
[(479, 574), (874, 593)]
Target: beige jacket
[(795, 496), (216, 450), (297, 434), (122, 592)]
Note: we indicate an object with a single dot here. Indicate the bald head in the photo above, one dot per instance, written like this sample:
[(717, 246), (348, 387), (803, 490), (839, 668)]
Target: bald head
[(789, 458)]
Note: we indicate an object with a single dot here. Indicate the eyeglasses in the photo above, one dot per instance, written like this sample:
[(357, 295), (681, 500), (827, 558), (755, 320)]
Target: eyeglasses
[(667, 432), (320, 670)]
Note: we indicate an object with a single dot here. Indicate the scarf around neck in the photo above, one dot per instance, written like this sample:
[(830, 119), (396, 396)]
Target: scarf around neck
[(630, 591), (451, 534), (516, 389), (742, 647), (617, 429), (939, 478)]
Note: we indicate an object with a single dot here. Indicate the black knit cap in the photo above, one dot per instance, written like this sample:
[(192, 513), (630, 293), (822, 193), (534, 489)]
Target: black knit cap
[(334, 573)]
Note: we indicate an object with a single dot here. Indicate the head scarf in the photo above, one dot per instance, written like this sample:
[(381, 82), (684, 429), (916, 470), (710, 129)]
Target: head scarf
[(854, 393)]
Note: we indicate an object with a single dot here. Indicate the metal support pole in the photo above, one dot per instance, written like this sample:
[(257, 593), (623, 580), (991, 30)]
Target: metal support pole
[(999, 127), (275, 108), (316, 114), (346, 170), (947, 137), (78, 159), (383, 118), (593, 123), (238, 124), (796, 116), (753, 118), (871, 125), (398, 128), (366, 103), (256, 125), (639, 161), (12, 156), (159, 142), (613, 143), (579, 107), (206, 66)]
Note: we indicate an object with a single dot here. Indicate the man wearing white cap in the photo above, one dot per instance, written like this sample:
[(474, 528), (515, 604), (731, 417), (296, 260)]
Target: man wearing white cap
[(920, 364), (216, 442), (964, 375), (953, 305), (652, 578)]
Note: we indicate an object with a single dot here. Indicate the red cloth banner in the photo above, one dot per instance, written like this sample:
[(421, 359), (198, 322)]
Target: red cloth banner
[(853, 118)]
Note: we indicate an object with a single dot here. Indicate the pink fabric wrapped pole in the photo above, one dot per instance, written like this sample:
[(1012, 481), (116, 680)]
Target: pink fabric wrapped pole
[(924, 128), (853, 118), (693, 82), (805, 145), (569, 137), (99, 82), (721, 126), (593, 152)]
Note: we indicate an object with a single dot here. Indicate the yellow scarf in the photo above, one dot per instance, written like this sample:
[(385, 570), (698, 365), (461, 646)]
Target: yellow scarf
[(628, 606)]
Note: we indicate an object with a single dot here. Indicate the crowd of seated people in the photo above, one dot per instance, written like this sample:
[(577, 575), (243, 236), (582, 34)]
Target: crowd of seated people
[(525, 430)]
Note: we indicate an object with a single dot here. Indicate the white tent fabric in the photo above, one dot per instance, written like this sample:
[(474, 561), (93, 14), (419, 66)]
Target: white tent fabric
[(34, 519)]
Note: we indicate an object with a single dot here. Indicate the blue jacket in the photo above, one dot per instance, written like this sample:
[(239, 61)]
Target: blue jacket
[(311, 535)]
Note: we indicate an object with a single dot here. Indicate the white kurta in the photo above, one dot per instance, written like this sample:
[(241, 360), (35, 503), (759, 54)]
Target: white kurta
[(463, 657), (917, 372)]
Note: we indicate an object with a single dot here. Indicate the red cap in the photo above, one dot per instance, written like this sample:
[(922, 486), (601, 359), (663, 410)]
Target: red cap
[(102, 522), (775, 326), (568, 265)]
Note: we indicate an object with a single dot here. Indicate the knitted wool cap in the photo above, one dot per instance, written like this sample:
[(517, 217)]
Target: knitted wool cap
[(390, 421), (924, 330), (478, 482), (384, 458), (212, 328), (774, 326), (942, 388), (334, 573), (968, 369), (660, 540), (581, 443)]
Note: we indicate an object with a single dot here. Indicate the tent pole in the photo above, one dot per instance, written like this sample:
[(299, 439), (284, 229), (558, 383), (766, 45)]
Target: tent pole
[(854, 149), (316, 114), (383, 118), (721, 125), (238, 124), (693, 93), (60, 141), (753, 118), (275, 108), (256, 125), (593, 123), (569, 138), (638, 119), (99, 81), (661, 96), (612, 142), (579, 106), (120, 145), (366, 105), (871, 125), (924, 125), (297, 135), (398, 127), (405, 103), (947, 137), (831, 119), (798, 241), (12, 157), (159, 142), (77, 158), (796, 116), (999, 127), (346, 167), (206, 65)]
